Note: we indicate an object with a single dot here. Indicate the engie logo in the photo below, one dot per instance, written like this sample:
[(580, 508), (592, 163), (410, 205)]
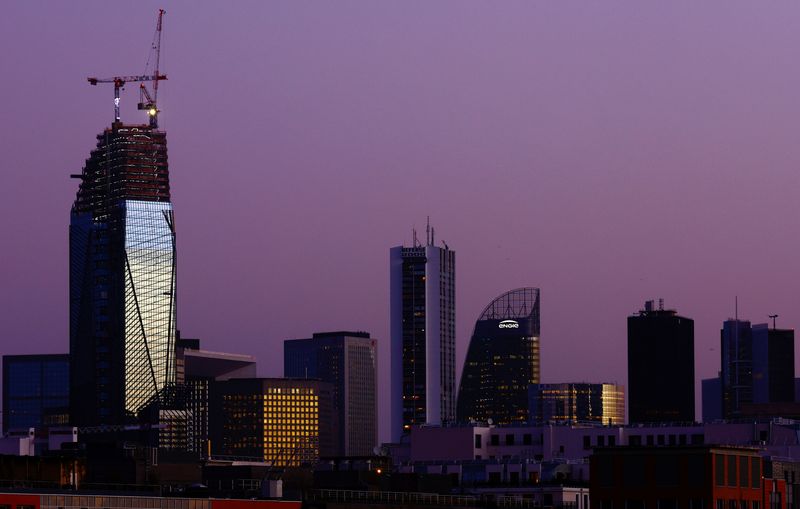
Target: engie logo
[(508, 324)]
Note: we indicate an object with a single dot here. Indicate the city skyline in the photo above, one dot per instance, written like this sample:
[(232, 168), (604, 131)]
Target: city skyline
[(686, 194)]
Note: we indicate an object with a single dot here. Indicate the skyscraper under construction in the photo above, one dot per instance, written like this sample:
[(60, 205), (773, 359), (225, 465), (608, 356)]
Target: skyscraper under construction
[(122, 277)]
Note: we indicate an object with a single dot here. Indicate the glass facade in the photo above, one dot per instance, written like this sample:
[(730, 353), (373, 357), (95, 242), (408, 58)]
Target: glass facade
[(577, 403), (122, 278), (502, 360), (35, 391), (149, 301)]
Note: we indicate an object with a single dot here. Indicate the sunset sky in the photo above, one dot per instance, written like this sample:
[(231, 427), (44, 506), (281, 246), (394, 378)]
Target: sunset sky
[(606, 152)]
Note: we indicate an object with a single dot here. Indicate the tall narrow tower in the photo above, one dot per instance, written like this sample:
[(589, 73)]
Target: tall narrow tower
[(122, 277), (423, 309)]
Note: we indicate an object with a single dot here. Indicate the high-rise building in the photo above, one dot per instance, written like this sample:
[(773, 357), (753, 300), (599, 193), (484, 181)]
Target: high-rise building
[(122, 278), (660, 366), (502, 360), (348, 361), (577, 403), (736, 372), (35, 391), (286, 422), (423, 334)]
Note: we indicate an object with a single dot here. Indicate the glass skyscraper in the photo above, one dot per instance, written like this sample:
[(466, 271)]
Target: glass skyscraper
[(122, 278), (502, 360), (423, 335)]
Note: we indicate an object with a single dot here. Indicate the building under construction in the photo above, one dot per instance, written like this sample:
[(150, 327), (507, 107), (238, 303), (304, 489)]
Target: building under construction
[(122, 278)]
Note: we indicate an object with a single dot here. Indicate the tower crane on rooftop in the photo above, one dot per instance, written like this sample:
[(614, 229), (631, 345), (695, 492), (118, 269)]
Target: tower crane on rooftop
[(147, 101)]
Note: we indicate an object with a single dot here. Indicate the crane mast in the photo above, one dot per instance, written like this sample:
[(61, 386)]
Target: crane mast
[(147, 101)]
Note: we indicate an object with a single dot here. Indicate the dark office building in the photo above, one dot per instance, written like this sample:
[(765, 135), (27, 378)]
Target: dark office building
[(660, 366), (122, 278), (283, 421), (348, 361), (35, 391), (197, 370), (773, 365), (423, 335), (502, 360)]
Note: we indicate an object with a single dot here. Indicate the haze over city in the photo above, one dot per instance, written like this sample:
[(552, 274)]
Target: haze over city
[(606, 153)]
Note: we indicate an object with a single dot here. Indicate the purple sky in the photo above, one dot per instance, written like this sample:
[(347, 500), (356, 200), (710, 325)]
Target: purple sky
[(606, 152)]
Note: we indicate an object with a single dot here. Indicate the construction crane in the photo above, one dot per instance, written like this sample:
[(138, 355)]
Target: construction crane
[(147, 101)]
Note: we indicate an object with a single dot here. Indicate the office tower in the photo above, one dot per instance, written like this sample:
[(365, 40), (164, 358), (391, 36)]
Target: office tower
[(286, 422), (35, 391), (197, 371), (736, 374), (348, 361), (773, 365), (122, 278), (757, 369), (423, 330), (577, 403), (660, 366), (502, 360)]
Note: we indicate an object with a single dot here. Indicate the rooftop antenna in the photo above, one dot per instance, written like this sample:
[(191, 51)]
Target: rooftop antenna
[(773, 320), (736, 308), (414, 234), (432, 236)]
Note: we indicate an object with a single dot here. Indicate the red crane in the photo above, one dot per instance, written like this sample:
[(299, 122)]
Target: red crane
[(147, 101)]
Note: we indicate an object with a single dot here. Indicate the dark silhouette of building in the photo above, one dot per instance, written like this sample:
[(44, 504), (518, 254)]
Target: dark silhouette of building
[(660, 366), (502, 360), (35, 391), (122, 278), (348, 361), (711, 390), (423, 335)]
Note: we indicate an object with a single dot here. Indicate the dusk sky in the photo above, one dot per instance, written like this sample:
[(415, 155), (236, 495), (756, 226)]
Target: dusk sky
[(606, 152)]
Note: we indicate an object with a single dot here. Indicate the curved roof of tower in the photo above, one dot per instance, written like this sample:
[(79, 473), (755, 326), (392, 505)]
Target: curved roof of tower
[(518, 303)]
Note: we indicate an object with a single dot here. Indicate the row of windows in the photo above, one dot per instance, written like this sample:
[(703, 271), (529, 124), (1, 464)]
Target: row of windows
[(510, 439)]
